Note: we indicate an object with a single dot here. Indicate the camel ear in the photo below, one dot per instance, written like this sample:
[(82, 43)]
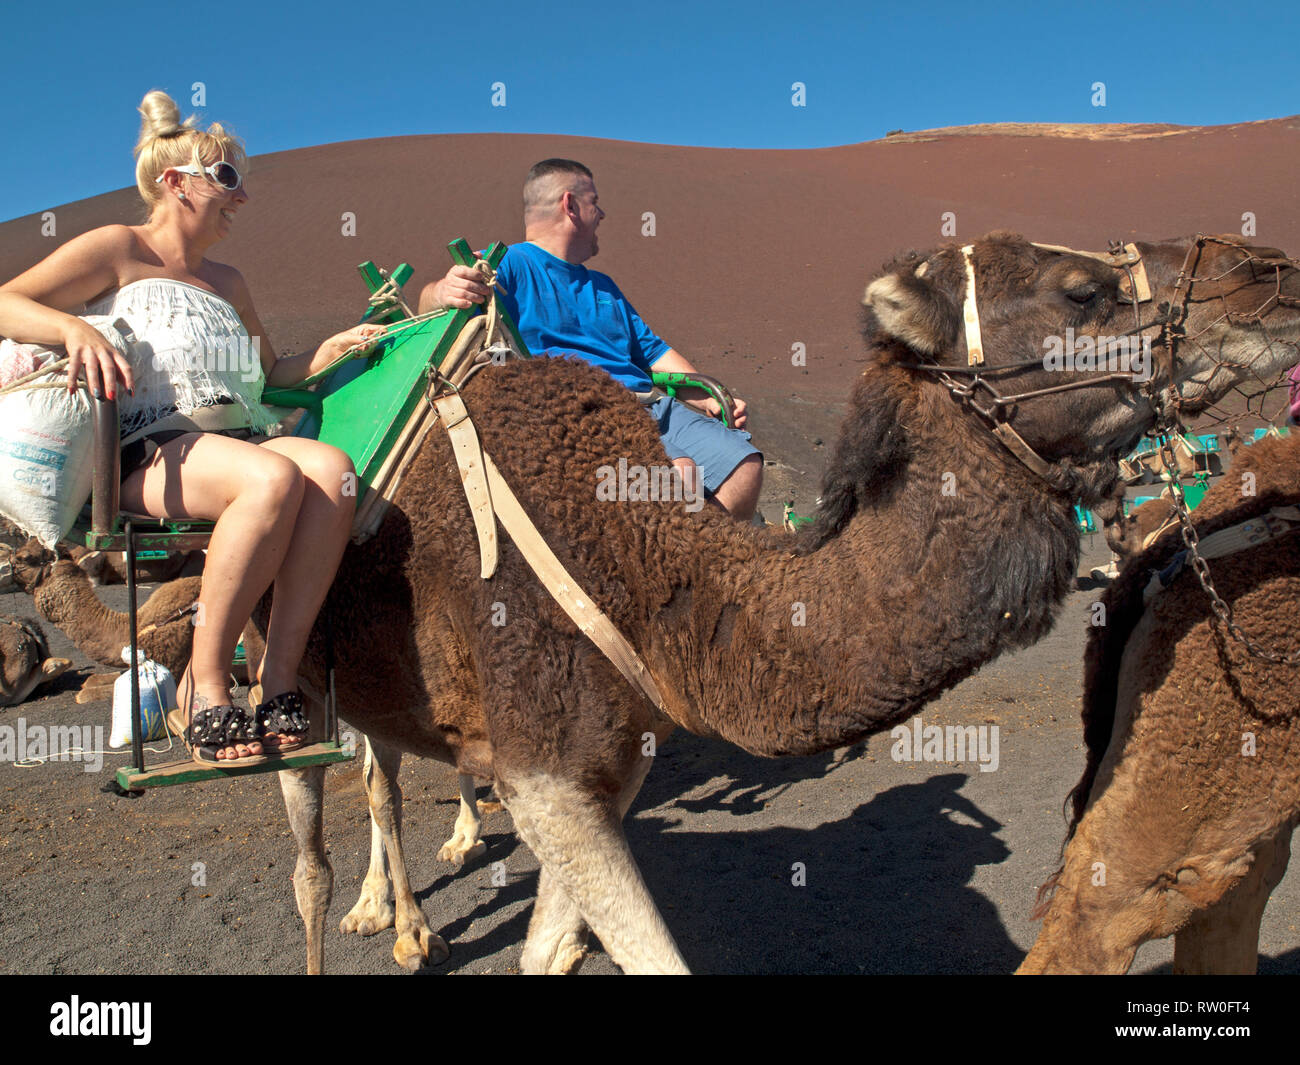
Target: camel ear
[(908, 310)]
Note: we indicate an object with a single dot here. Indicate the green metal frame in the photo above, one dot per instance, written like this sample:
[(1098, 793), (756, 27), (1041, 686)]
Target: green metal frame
[(365, 403), (672, 381)]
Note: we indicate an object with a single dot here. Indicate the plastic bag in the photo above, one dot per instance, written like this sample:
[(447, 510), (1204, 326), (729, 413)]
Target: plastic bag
[(47, 445), (157, 696)]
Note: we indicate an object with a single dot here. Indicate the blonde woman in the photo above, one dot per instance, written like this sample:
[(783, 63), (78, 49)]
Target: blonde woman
[(282, 506)]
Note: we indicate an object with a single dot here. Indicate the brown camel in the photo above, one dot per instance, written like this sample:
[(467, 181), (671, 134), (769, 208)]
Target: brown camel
[(64, 596), (935, 550), (1129, 535), (25, 662), (109, 567), (1182, 822)]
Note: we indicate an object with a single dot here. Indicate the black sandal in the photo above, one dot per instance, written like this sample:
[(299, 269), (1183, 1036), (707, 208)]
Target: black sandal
[(282, 715), (215, 728)]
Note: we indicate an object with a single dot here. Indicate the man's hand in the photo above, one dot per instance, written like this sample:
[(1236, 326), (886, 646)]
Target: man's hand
[(710, 406), (461, 287)]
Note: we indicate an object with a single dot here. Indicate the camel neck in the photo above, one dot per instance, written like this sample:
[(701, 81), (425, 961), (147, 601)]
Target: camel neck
[(67, 600), (959, 556)]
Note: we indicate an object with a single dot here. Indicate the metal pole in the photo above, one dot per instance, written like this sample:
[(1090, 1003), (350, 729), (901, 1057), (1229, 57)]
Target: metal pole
[(137, 741)]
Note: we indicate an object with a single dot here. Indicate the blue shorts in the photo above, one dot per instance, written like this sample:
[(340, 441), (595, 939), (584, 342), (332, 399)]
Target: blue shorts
[(715, 449)]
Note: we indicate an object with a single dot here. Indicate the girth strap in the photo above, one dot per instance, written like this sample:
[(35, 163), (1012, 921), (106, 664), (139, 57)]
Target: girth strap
[(470, 459), (490, 497), (1250, 533)]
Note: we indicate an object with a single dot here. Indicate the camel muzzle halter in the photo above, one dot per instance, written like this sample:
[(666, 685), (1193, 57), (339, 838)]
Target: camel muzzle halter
[(1164, 403), (982, 396)]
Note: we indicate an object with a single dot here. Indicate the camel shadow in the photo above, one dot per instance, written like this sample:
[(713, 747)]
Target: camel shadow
[(1287, 963), (495, 937), (727, 779), (885, 890)]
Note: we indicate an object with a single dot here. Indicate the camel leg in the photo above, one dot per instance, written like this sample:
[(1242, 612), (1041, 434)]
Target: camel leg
[(1225, 937), (557, 934), (417, 944), (374, 909), (313, 879), (464, 843), (580, 844)]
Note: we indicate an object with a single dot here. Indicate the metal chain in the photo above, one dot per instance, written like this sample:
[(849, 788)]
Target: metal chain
[(1172, 333), (1164, 424)]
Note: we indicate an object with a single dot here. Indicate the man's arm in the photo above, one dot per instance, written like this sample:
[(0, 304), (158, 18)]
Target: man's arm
[(672, 361)]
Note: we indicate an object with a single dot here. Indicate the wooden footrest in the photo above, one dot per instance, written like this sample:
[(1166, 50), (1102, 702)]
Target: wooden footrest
[(187, 771)]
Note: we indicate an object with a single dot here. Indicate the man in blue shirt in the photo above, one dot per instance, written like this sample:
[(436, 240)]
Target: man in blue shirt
[(562, 308)]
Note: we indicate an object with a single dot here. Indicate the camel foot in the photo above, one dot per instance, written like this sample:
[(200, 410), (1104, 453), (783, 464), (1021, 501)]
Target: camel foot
[(569, 954), (96, 687), (461, 848), (419, 948), (368, 916)]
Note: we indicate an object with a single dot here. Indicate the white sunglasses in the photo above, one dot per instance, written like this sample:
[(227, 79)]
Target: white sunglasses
[(222, 173)]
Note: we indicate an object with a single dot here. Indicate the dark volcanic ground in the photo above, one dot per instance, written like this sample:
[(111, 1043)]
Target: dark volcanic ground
[(910, 867)]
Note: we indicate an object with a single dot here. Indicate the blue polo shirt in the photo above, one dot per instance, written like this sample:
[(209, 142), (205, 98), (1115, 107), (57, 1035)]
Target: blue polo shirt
[(562, 308)]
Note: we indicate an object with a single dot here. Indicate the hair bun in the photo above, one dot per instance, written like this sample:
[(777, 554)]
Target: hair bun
[(161, 117)]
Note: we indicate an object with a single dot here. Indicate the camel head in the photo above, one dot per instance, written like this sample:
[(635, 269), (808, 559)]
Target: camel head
[(26, 567), (1227, 312)]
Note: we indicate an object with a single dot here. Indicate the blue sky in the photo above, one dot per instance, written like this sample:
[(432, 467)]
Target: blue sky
[(287, 76)]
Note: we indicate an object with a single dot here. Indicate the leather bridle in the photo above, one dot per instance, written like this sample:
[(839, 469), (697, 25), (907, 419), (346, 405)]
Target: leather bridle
[(982, 396), (1164, 402)]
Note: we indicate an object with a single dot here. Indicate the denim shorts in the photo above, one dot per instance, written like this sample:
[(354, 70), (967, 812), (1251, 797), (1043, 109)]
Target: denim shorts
[(715, 449)]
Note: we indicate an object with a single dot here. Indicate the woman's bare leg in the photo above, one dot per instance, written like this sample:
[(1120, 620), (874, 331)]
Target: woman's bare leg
[(254, 495), (320, 534)]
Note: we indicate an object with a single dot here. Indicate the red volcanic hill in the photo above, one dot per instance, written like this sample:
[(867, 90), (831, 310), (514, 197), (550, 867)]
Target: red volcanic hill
[(753, 251)]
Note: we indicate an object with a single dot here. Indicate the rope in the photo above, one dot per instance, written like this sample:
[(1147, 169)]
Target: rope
[(489, 278), (388, 294), (32, 380)]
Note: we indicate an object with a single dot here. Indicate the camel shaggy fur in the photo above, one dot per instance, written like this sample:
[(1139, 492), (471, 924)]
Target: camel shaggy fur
[(64, 596), (1182, 822), (25, 662), (935, 551)]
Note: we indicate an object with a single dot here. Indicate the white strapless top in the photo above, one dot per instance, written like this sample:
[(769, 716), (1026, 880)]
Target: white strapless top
[(190, 350)]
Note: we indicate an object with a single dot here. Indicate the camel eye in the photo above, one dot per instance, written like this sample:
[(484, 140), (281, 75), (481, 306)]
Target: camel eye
[(1083, 294)]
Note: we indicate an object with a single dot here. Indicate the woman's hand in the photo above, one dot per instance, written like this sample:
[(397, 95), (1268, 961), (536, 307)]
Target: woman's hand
[(357, 341), (104, 366)]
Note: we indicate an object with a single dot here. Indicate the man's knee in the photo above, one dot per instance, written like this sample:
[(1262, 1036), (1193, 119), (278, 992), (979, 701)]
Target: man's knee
[(739, 492)]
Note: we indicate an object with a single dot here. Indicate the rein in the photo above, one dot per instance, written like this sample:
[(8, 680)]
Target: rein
[(1165, 403), (996, 408)]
